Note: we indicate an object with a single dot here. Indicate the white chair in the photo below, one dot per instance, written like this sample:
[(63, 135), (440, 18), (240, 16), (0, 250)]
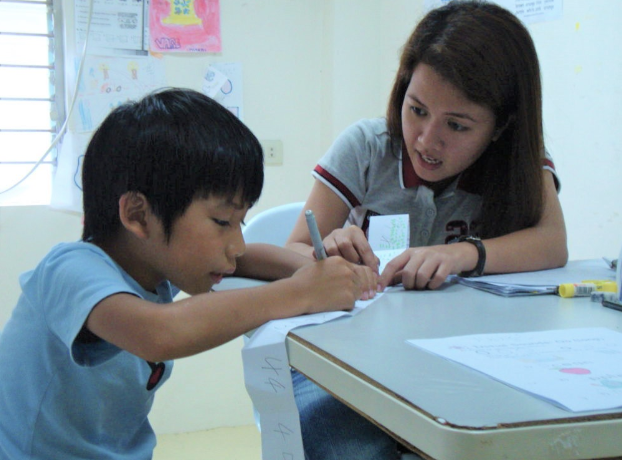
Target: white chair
[(273, 225)]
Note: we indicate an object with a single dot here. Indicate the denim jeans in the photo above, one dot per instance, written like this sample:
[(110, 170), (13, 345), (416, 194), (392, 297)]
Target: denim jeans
[(333, 431)]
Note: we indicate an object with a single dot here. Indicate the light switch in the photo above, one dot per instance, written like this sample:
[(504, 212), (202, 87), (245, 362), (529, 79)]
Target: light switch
[(272, 152)]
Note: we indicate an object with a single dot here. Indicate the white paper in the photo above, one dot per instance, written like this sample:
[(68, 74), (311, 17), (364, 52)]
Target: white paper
[(269, 383), (213, 81), (389, 232), (528, 11), (388, 237), (117, 26), (576, 369), (230, 94)]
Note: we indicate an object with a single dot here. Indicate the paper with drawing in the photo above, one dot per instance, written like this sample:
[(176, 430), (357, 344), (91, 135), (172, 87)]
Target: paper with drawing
[(576, 369)]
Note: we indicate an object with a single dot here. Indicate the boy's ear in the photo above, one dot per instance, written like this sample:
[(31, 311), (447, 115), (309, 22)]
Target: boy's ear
[(134, 213)]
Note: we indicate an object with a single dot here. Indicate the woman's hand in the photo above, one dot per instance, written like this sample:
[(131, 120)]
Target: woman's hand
[(331, 213), (428, 267), (351, 244)]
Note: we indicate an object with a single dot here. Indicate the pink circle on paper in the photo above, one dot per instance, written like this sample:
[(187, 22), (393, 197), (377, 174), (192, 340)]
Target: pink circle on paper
[(575, 370)]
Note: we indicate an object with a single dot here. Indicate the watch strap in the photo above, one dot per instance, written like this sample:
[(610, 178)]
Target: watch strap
[(481, 256)]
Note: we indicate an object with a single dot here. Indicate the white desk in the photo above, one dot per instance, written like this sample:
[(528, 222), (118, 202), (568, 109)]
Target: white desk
[(438, 407)]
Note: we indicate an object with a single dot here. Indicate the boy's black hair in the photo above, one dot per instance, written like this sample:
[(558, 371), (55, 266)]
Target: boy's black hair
[(172, 146)]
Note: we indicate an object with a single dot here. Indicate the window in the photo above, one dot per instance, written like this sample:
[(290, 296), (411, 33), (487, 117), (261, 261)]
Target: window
[(31, 103)]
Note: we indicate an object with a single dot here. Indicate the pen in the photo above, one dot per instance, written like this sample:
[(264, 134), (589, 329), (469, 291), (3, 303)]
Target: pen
[(612, 304), (316, 238)]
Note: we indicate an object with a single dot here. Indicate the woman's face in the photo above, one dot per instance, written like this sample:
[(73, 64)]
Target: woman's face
[(444, 132)]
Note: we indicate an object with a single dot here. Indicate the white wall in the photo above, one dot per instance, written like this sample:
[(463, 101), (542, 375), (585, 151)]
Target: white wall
[(313, 67), (582, 84)]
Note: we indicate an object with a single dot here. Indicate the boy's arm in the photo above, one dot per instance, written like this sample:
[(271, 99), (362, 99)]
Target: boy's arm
[(158, 332), (269, 262)]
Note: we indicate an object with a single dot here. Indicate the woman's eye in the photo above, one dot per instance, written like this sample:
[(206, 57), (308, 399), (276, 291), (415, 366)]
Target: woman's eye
[(457, 126), (418, 111)]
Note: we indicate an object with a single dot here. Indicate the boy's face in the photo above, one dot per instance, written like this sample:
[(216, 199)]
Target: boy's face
[(205, 242)]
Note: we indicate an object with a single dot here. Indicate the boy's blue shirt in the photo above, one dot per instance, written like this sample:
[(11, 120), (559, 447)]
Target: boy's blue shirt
[(66, 398)]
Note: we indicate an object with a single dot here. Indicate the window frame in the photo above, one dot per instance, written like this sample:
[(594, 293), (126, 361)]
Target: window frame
[(17, 190)]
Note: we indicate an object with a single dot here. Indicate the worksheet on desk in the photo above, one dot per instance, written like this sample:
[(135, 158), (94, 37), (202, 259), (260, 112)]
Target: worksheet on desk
[(576, 369)]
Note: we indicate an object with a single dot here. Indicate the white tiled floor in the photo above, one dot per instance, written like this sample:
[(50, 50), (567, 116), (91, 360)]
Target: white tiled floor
[(231, 443)]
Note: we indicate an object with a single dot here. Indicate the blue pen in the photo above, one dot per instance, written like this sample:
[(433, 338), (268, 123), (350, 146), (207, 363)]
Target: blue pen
[(316, 238)]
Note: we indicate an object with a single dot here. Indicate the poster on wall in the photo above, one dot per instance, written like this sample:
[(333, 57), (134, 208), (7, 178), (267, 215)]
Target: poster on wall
[(114, 27), (185, 26), (223, 82), (527, 11), (109, 82), (106, 83)]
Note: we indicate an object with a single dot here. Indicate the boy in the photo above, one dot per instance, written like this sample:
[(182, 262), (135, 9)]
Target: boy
[(167, 183)]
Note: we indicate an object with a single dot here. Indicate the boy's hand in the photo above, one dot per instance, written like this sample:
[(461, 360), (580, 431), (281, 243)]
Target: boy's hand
[(351, 244), (335, 284)]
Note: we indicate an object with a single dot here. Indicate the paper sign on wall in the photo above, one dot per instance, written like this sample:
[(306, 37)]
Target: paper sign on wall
[(527, 11)]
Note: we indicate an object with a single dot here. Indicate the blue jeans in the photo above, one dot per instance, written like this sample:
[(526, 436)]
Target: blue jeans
[(333, 431)]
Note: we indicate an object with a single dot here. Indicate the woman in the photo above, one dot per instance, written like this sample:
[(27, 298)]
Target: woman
[(461, 151)]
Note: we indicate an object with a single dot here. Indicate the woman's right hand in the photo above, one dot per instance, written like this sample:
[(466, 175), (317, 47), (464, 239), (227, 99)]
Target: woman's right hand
[(335, 284), (351, 244)]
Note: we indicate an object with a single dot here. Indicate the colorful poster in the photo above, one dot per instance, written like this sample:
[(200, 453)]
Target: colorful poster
[(185, 26), (108, 82)]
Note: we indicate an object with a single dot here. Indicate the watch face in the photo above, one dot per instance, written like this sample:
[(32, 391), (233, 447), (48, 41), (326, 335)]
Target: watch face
[(469, 238)]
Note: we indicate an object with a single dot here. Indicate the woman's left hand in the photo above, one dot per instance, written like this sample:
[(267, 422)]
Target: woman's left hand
[(428, 267)]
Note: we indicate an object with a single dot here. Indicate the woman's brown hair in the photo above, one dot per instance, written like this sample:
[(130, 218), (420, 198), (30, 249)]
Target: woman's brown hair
[(487, 53)]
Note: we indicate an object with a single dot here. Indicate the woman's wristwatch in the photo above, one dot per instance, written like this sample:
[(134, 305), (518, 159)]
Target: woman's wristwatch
[(481, 255)]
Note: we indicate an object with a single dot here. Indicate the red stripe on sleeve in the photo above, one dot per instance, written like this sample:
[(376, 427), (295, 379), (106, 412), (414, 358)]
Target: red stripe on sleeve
[(332, 180)]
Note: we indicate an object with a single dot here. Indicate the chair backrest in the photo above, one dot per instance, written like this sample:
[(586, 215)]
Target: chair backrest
[(273, 225)]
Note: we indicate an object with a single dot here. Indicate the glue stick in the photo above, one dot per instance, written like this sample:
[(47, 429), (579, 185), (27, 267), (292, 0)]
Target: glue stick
[(604, 285), (585, 288), (576, 289)]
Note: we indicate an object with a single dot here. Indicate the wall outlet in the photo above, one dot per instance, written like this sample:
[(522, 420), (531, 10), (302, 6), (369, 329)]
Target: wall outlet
[(272, 152)]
